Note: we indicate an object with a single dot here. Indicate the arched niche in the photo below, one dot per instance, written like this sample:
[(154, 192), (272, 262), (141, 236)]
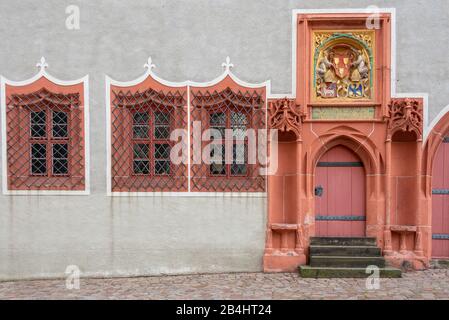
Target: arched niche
[(404, 165)]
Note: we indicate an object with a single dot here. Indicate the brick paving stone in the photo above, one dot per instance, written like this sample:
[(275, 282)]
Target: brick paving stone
[(430, 284)]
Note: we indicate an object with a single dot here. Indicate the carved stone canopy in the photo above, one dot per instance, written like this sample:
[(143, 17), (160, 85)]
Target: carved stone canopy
[(406, 115), (285, 116)]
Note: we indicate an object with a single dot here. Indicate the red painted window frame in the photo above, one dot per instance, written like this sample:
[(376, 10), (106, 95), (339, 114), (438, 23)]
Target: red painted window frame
[(122, 101), (200, 99), (54, 97)]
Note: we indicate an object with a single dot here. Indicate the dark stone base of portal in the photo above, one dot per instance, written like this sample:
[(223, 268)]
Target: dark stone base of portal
[(342, 257), (283, 262), (323, 272)]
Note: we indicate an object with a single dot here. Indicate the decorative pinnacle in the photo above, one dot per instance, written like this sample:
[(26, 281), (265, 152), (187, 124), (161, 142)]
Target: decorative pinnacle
[(42, 64), (149, 65), (227, 65)]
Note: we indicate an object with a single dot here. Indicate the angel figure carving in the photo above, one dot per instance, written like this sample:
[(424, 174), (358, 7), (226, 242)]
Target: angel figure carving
[(324, 69), (361, 68)]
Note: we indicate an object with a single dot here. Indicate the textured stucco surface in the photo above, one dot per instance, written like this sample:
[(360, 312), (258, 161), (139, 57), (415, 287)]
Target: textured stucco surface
[(39, 237), (187, 40)]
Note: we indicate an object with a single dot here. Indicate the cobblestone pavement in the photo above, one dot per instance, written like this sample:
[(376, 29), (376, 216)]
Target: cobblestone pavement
[(429, 284)]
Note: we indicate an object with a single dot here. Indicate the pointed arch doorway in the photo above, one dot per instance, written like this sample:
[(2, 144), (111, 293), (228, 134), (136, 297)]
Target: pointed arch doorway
[(340, 197)]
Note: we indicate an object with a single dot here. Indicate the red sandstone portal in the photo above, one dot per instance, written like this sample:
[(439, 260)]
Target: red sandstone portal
[(344, 112)]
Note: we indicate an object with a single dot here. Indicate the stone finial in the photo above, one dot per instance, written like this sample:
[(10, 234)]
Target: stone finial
[(227, 65), (42, 64), (149, 65)]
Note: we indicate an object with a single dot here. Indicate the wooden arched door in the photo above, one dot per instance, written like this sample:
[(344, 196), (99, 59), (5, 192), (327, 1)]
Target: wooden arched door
[(340, 197), (440, 202)]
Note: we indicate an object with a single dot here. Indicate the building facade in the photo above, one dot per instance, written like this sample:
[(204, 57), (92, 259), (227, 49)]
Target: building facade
[(88, 175)]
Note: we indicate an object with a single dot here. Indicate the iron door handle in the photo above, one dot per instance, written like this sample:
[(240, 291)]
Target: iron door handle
[(319, 191)]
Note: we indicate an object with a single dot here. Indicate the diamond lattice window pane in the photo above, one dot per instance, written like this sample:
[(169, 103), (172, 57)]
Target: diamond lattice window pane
[(238, 118), (60, 131), (38, 158), (239, 160), (239, 133), (140, 132), (217, 157), (218, 118), (161, 117), (239, 124), (60, 150), (39, 151), (162, 167), (162, 151), (218, 124), (141, 118), (38, 130), (38, 117), (60, 117), (239, 153), (38, 124), (60, 159), (60, 166), (60, 124), (141, 166), (141, 125), (161, 132), (38, 166), (217, 169), (238, 169), (217, 153), (141, 151)]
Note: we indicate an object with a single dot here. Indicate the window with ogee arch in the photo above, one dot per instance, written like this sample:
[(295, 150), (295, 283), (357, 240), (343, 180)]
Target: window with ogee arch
[(45, 143), (229, 112), (142, 121)]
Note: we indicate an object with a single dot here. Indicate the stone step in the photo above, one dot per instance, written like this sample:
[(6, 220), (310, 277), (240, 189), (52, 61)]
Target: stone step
[(346, 262), (361, 251), (323, 272), (343, 241), (439, 263)]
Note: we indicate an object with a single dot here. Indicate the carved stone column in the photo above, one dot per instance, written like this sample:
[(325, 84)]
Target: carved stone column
[(284, 250), (404, 143)]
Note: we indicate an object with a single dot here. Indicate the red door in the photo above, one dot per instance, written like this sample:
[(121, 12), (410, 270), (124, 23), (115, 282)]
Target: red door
[(340, 194), (440, 202)]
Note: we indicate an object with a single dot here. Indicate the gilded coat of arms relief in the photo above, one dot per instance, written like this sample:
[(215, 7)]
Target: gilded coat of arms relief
[(343, 65)]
